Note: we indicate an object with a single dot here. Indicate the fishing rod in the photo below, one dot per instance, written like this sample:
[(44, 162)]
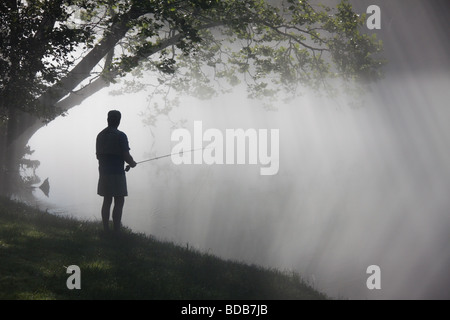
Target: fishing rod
[(127, 168)]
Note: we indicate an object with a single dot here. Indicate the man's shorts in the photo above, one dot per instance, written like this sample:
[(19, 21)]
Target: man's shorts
[(113, 185)]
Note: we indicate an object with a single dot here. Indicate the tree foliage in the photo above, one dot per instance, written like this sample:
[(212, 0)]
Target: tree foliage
[(37, 47), (52, 49)]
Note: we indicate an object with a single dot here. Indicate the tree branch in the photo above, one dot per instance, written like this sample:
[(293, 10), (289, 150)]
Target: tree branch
[(83, 69)]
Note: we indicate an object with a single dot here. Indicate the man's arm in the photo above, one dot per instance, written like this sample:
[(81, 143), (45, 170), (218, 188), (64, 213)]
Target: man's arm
[(129, 159)]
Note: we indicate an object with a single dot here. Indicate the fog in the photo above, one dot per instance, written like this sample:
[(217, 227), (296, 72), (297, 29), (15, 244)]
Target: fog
[(357, 186)]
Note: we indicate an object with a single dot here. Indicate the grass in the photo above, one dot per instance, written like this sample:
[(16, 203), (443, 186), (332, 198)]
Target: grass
[(37, 247)]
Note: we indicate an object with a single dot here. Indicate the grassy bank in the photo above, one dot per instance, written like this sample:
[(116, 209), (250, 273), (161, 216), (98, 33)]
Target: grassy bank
[(36, 248)]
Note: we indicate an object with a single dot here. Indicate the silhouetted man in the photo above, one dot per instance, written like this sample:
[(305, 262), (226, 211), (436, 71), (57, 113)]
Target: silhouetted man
[(112, 151)]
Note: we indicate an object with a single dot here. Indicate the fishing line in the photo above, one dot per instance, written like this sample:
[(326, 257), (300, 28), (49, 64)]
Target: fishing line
[(127, 168)]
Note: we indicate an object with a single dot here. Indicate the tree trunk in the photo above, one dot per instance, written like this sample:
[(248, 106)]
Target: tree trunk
[(3, 158), (14, 137), (21, 127)]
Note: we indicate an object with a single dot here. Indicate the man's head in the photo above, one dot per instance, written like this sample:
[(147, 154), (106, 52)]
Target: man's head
[(114, 118)]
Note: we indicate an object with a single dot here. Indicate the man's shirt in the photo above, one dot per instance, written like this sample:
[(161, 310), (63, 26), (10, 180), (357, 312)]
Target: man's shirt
[(111, 145)]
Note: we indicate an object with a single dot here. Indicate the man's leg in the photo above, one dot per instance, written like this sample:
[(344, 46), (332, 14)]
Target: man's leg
[(106, 209), (117, 212)]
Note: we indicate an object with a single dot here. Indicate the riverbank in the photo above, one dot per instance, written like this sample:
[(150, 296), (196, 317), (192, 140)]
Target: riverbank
[(36, 249)]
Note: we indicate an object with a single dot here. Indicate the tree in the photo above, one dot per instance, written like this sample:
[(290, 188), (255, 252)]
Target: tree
[(56, 53)]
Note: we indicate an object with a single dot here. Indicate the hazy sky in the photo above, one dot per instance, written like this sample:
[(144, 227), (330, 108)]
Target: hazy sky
[(355, 187)]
